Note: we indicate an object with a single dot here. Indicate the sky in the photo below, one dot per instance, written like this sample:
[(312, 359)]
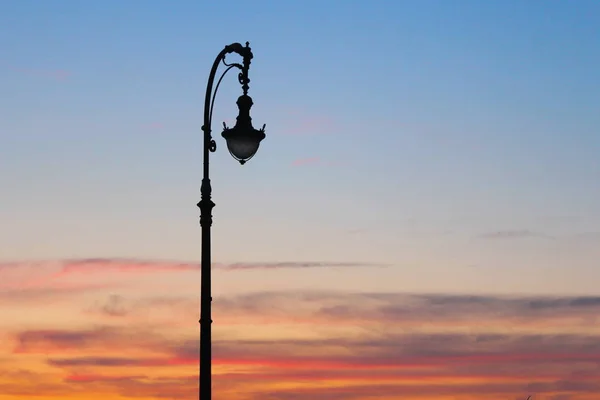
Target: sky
[(421, 222)]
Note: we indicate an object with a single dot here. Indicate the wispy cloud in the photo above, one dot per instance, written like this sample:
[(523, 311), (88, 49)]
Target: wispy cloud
[(48, 291), (96, 265), (413, 311), (120, 306), (295, 264), (314, 161), (59, 279), (306, 161), (94, 340), (124, 265), (592, 236), (114, 306), (302, 122), (31, 341), (54, 74), (514, 234), (357, 231), (154, 126)]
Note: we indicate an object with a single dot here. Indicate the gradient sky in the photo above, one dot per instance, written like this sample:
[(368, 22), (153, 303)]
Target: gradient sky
[(421, 222)]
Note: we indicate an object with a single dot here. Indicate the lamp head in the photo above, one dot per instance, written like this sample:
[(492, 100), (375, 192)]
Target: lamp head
[(243, 139)]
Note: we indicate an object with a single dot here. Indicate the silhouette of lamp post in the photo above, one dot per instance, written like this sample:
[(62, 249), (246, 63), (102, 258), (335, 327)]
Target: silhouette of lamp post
[(242, 142)]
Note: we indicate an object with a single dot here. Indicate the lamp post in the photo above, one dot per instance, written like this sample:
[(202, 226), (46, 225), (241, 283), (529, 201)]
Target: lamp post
[(242, 142)]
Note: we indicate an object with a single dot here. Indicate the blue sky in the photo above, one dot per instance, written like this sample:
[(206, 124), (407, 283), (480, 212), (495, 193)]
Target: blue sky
[(422, 220), (456, 141)]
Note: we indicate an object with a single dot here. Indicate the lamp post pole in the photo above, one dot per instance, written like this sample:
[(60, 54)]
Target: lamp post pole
[(242, 141)]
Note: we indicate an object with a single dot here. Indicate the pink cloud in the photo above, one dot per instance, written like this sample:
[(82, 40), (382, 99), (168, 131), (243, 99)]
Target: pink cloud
[(55, 271), (337, 163), (301, 162), (306, 161), (94, 265), (55, 74), (48, 291), (142, 266), (154, 126), (300, 122)]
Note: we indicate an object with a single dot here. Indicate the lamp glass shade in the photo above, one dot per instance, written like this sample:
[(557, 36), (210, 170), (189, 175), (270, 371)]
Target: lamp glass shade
[(241, 143), (243, 140)]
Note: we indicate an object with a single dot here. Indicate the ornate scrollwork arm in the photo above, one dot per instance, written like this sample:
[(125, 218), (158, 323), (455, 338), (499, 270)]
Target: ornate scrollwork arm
[(212, 146), (246, 53), (237, 65)]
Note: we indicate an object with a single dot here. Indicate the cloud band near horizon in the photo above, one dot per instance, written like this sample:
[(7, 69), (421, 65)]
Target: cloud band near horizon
[(426, 360), (132, 342)]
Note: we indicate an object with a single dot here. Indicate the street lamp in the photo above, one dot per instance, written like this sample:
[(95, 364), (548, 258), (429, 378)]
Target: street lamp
[(242, 142)]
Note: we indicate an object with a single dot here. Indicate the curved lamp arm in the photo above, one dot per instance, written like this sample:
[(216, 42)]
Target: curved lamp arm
[(246, 54)]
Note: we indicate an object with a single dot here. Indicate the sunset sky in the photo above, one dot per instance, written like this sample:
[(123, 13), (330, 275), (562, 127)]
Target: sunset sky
[(421, 222)]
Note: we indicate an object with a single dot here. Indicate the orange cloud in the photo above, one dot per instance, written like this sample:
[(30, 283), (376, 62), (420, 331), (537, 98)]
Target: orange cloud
[(135, 344), (436, 363)]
